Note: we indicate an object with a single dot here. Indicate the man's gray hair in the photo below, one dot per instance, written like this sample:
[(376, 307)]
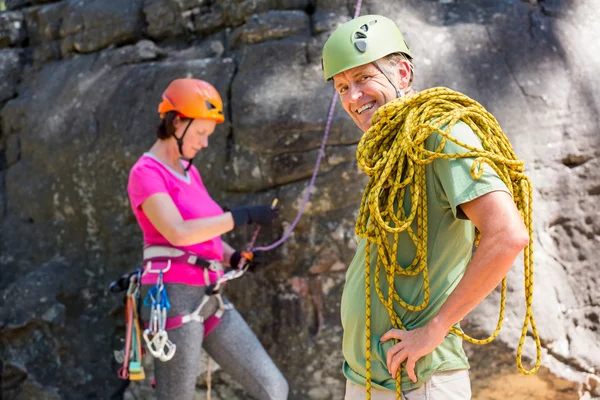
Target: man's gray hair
[(394, 60)]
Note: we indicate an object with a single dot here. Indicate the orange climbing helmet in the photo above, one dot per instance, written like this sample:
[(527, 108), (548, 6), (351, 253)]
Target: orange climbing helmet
[(192, 98)]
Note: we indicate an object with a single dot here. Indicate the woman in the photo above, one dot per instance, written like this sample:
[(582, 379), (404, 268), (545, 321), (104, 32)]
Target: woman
[(175, 211)]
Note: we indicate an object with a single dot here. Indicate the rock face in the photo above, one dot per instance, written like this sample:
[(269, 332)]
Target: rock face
[(79, 85)]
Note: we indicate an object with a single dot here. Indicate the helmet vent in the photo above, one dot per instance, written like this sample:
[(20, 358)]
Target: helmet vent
[(361, 45), (359, 35), (209, 105), (364, 28)]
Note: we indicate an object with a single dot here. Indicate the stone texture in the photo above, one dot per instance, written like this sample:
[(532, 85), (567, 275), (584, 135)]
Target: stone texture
[(83, 26), (14, 4), (327, 21), (95, 24), (271, 25), (212, 46), (144, 50), (238, 11), (172, 18), (163, 19), (12, 29), (72, 124), (11, 61), (13, 150), (44, 22)]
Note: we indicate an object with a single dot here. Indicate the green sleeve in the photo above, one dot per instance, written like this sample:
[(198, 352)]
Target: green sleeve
[(454, 175)]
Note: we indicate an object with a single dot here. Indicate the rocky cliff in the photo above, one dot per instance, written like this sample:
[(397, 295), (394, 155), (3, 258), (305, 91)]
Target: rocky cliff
[(80, 81)]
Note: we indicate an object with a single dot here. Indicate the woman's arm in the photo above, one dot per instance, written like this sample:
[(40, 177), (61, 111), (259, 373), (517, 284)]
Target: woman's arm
[(227, 252), (164, 215)]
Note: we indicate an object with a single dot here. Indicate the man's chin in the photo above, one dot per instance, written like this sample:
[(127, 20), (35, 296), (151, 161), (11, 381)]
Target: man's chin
[(365, 125)]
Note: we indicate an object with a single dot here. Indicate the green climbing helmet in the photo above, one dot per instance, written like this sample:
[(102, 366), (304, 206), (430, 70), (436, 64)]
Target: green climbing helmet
[(360, 41)]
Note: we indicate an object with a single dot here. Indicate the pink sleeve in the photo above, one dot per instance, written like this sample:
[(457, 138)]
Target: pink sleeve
[(145, 181)]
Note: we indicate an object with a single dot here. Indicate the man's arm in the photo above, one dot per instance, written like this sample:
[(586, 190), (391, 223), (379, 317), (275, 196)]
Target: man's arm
[(503, 236)]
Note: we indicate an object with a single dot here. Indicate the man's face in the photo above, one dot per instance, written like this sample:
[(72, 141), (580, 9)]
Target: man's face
[(362, 91)]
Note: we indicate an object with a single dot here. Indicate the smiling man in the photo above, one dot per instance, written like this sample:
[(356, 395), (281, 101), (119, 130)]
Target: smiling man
[(370, 65)]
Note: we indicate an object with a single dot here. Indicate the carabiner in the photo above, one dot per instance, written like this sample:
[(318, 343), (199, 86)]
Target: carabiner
[(171, 348)]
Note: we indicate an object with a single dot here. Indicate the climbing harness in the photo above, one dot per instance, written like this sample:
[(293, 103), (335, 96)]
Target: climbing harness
[(158, 318), (156, 333), (211, 322), (131, 355), (393, 154), (156, 330)]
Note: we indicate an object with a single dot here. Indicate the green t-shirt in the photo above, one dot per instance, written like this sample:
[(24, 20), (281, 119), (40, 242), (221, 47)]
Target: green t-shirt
[(449, 248)]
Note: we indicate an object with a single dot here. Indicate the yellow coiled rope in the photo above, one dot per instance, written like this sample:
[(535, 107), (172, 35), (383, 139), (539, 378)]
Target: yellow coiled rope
[(392, 153)]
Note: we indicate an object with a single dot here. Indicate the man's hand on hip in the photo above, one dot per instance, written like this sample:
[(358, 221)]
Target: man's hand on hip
[(411, 346)]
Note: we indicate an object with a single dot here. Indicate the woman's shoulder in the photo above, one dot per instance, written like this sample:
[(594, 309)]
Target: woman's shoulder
[(145, 163), (144, 167)]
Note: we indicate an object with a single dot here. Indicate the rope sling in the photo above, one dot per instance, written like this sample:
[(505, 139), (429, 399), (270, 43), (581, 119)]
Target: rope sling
[(392, 153)]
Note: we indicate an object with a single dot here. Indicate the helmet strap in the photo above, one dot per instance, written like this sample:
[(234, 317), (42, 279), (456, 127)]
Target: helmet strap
[(180, 144), (399, 92), (190, 161)]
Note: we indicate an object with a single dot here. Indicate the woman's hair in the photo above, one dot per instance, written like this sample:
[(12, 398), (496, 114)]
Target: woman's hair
[(166, 128), (394, 60)]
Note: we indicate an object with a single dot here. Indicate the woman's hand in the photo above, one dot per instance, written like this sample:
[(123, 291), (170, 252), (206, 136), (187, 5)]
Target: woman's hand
[(254, 260), (261, 215)]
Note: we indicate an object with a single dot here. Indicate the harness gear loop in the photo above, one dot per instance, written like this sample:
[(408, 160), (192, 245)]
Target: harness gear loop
[(149, 270), (393, 154)]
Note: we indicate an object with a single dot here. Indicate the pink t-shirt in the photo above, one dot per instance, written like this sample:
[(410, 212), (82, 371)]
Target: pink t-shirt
[(149, 176)]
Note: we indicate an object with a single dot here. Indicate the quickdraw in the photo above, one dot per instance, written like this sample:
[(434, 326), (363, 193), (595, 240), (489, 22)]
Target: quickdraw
[(131, 355), (155, 335)]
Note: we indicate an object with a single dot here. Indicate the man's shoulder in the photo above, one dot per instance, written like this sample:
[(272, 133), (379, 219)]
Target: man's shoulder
[(458, 133)]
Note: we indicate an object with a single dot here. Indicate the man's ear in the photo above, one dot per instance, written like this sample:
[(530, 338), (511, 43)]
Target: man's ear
[(404, 74)]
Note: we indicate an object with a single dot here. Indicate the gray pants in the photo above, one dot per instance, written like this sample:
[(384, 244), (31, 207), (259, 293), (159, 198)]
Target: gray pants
[(232, 344)]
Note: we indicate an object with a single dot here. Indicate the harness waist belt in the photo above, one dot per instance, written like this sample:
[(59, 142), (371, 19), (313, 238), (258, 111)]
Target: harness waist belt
[(166, 253)]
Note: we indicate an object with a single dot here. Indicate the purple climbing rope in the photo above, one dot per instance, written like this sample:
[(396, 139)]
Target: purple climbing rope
[(357, 10), (311, 184)]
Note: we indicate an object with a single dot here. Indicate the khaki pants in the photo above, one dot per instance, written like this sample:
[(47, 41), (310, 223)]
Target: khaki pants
[(445, 385)]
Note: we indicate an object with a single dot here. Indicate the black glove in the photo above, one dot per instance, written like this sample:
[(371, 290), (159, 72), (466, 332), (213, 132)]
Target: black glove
[(262, 215), (254, 260)]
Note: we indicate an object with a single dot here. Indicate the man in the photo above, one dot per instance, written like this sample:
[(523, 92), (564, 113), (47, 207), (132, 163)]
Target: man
[(370, 65)]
